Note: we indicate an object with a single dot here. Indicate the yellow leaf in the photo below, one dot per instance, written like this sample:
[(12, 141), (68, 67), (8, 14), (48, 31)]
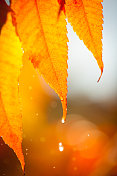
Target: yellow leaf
[(86, 18), (10, 110), (44, 40)]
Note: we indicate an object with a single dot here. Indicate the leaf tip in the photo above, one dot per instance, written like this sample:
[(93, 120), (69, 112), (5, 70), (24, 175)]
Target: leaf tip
[(63, 120), (64, 105), (101, 73)]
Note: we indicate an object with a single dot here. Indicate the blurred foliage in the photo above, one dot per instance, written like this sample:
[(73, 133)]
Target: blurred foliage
[(89, 137)]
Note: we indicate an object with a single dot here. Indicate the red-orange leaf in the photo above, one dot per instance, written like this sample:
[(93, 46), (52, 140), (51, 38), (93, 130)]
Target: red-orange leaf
[(4, 9), (86, 18), (10, 65), (44, 40)]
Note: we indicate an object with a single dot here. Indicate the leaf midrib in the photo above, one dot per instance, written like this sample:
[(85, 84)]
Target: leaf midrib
[(36, 4)]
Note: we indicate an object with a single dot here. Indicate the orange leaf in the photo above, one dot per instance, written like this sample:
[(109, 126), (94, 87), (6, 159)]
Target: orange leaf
[(86, 18), (10, 65), (44, 39)]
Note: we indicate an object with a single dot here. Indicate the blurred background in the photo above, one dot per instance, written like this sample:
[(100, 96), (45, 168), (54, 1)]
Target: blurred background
[(86, 145)]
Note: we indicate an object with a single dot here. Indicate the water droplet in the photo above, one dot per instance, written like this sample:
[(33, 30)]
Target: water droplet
[(22, 50), (60, 143), (62, 98), (63, 121), (61, 148), (54, 167)]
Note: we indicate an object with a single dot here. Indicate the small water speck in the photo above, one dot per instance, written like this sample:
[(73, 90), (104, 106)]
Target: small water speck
[(60, 143), (22, 50), (63, 121), (62, 98), (61, 147)]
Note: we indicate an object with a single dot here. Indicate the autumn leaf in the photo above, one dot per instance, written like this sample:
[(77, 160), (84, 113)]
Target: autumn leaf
[(44, 39), (10, 110), (86, 18)]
